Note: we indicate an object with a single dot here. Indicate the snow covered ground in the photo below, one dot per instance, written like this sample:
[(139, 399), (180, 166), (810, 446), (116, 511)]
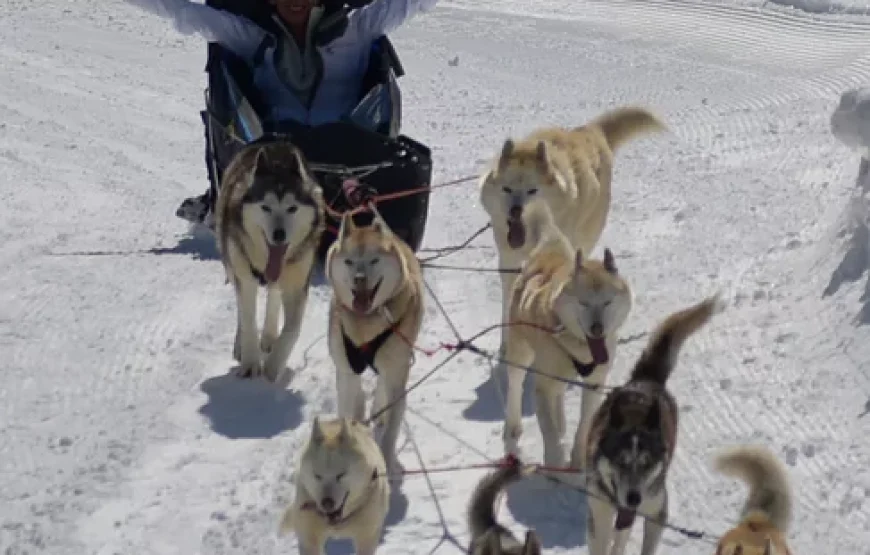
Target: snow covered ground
[(120, 430)]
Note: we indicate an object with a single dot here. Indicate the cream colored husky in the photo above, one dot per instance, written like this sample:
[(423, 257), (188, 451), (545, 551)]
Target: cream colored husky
[(567, 311), (374, 320), (568, 170), (342, 489)]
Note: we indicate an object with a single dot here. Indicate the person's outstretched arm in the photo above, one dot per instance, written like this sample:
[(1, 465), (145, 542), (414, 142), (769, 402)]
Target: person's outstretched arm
[(383, 16), (240, 35)]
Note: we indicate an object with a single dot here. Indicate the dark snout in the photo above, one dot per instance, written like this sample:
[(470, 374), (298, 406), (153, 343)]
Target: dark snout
[(516, 212), (327, 503), (279, 235), (633, 499), (597, 329)]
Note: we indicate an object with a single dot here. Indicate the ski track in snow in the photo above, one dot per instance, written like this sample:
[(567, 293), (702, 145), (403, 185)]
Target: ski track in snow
[(123, 432)]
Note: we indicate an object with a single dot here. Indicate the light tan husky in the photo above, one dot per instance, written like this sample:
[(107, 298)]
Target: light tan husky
[(565, 312), (374, 320), (342, 489), (767, 513), (269, 219), (570, 171)]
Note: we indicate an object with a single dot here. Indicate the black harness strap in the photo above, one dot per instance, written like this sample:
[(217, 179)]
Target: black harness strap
[(361, 356), (584, 369)]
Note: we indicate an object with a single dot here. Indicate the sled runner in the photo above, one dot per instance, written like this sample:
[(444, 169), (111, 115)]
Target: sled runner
[(367, 146)]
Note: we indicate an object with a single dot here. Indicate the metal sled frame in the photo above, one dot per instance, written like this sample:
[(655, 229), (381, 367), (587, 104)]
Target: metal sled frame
[(381, 159)]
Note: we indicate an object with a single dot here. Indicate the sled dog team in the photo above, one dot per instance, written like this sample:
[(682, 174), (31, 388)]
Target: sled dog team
[(548, 198)]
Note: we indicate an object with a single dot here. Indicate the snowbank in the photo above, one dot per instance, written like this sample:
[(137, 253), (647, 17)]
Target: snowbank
[(850, 121), (858, 7), (850, 124)]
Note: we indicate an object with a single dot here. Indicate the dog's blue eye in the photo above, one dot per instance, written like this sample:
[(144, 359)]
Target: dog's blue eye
[(532, 191), (319, 477), (507, 190), (339, 477), (374, 261), (348, 262), (606, 303), (265, 208), (292, 209)]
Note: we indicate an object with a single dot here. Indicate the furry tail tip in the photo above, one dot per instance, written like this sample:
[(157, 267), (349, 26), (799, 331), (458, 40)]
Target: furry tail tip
[(481, 508), (769, 489), (660, 356), (622, 124)]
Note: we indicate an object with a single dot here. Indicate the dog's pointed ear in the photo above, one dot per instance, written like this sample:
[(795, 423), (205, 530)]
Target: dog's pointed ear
[(532, 545), (578, 261), (346, 227), (261, 159), (654, 416), (542, 156), (616, 420), (507, 149), (610, 262), (316, 430), (379, 224), (345, 434)]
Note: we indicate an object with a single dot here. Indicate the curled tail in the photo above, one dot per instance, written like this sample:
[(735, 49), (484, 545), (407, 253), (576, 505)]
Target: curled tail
[(660, 356), (622, 124), (481, 508), (769, 489)]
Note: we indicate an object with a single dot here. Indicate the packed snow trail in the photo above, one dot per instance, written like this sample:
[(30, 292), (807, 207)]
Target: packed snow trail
[(122, 430)]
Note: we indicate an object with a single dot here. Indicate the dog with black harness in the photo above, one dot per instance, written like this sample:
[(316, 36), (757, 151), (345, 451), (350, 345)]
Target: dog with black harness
[(375, 317)]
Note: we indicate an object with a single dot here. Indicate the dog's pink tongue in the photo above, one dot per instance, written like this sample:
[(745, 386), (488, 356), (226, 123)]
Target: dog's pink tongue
[(598, 347), (275, 263), (362, 300), (516, 233)]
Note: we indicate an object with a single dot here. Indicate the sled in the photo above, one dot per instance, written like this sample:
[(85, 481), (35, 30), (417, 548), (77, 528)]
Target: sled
[(367, 146)]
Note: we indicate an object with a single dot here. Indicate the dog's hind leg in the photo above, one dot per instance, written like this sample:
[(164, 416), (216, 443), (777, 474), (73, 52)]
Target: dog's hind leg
[(270, 322), (246, 329), (294, 302)]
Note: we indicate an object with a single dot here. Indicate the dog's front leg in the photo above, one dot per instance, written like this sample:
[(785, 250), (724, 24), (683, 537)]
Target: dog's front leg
[(394, 366), (590, 401), (521, 354), (653, 527), (620, 541), (246, 329), (547, 397), (368, 544), (294, 302), (506, 263), (270, 322), (599, 524)]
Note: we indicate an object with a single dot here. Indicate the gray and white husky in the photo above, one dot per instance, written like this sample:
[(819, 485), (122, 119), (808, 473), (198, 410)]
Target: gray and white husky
[(269, 220), (632, 441)]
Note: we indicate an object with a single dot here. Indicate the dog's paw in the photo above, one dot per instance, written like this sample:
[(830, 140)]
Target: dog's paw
[(266, 342), (273, 368), (249, 370)]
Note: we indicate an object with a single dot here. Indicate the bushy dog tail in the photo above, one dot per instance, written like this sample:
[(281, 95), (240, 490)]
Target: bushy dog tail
[(622, 124), (660, 356), (481, 508), (770, 493)]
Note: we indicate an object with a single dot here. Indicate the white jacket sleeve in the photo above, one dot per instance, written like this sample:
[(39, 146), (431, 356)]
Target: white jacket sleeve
[(238, 34), (383, 16)]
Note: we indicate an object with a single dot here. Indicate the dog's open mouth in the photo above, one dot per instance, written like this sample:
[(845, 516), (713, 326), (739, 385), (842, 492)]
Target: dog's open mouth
[(363, 298), (516, 235), (334, 517), (598, 348), (275, 262)]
